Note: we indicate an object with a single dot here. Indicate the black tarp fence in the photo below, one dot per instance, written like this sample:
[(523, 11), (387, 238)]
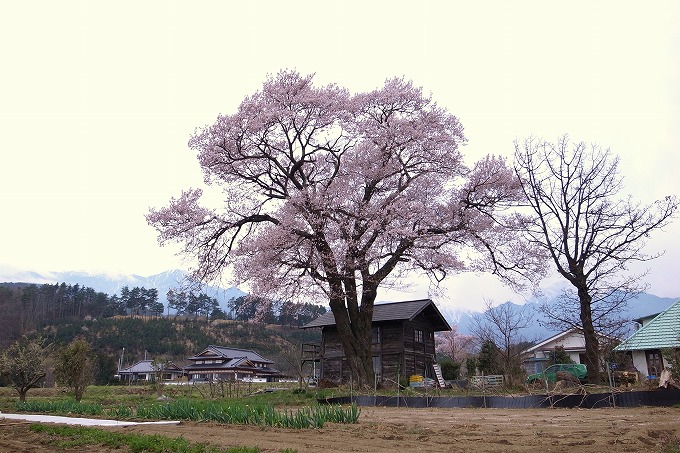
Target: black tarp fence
[(589, 401)]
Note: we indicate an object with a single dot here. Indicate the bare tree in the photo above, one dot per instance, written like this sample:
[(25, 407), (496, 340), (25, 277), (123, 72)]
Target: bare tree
[(159, 365), (590, 233), (292, 360), (502, 325), (606, 310)]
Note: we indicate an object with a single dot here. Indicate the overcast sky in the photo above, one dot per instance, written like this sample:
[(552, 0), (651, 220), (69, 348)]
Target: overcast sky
[(97, 103)]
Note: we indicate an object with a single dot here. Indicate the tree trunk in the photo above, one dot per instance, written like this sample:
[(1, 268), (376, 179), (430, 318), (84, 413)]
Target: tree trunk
[(591, 341), (354, 329)]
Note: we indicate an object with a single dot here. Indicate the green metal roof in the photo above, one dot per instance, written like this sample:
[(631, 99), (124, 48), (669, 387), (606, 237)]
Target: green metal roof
[(661, 332)]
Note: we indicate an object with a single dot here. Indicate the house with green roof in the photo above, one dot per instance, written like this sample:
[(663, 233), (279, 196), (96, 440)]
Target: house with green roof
[(656, 334)]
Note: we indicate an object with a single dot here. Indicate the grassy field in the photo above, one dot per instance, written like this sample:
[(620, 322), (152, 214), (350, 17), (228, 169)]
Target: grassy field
[(283, 394), (388, 430), (133, 395)]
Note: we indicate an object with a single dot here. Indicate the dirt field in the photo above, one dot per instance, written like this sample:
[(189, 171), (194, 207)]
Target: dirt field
[(394, 430)]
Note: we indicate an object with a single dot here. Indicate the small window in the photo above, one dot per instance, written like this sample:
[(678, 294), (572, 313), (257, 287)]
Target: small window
[(418, 336), (377, 364), (376, 337)]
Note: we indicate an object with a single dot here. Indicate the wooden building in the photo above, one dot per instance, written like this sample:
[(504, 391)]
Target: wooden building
[(403, 342)]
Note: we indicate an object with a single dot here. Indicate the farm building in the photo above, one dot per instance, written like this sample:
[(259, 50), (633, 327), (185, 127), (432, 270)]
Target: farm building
[(230, 364), (403, 342)]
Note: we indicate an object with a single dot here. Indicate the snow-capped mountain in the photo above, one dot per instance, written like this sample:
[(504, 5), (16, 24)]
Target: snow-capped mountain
[(643, 305), (112, 283)]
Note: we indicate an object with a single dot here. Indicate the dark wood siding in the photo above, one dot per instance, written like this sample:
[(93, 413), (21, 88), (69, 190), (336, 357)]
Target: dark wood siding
[(402, 351)]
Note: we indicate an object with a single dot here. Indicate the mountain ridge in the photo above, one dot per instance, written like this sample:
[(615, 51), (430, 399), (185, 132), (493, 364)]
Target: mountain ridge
[(112, 283), (643, 305)]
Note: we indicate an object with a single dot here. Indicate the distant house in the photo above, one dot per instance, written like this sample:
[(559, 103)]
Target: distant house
[(144, 371), (230, 364), (403, 341), (536, 358), (657, 332)]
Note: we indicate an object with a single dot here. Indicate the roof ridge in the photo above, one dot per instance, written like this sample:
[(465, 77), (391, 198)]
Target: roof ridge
[(402, 302), (654, 330), (229, 347)]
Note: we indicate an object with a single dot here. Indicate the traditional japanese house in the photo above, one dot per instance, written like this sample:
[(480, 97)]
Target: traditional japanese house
[(403, 342), (148, 371), (230, 364)]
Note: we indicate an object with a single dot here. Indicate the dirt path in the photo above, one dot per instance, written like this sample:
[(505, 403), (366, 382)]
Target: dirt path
[(396, 430)]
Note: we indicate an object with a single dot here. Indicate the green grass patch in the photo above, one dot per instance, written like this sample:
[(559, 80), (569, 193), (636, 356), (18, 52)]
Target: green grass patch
[(73, 436), (60, 407), (313, 416), (249, 414)]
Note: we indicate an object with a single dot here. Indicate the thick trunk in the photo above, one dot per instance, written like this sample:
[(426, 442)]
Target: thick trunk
[(354, 329), (591, 341)]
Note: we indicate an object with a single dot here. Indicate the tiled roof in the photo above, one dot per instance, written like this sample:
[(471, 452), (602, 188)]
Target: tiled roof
[(232, 353), (395, 311), (661, 332), (145, 366)]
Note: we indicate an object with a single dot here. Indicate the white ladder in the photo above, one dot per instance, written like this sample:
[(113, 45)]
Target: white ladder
[(438, 374)]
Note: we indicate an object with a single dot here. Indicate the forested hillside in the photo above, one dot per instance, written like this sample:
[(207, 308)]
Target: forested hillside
[(59, 313)]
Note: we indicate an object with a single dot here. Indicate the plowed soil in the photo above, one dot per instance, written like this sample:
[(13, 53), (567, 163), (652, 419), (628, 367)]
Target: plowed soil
[(394, 430)]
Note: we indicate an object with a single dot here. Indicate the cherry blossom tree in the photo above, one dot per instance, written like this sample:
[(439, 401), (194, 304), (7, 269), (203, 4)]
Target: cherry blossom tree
[(331, 195), (590, 234), (455, 345)]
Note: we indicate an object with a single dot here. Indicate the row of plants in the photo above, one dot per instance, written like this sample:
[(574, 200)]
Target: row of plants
[(241, 414), (74, 436)]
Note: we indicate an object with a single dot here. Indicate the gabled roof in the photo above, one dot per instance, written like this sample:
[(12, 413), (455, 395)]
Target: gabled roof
[(231, 353), (233, 365), (146, 366), (661, 332), (552, 339), (561, 336), (395, 311)]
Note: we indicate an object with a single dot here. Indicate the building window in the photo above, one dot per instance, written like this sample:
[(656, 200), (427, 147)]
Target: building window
[(418, 336), (377, 364), (376, 337)]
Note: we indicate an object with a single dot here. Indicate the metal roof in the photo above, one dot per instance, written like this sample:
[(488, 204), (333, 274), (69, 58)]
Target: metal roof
[(395, 311), (661, 332)]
